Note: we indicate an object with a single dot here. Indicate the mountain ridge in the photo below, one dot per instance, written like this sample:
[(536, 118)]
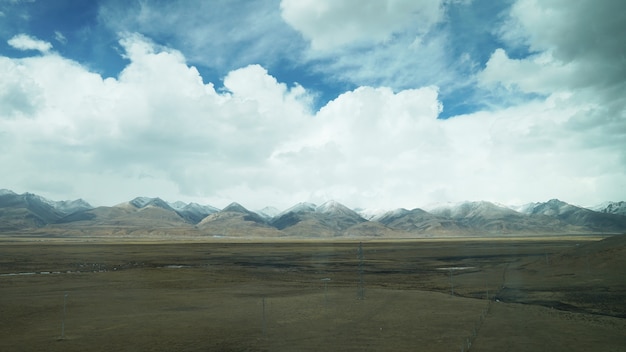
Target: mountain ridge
[(329, 220)]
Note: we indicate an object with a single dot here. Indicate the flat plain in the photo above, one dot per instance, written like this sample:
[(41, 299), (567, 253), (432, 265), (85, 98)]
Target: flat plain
[(515, 294)]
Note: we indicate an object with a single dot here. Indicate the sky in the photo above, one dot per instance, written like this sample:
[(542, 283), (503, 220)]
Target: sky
[(376, 104)]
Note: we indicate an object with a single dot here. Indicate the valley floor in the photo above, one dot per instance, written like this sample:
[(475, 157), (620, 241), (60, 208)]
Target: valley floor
[(481, 295)]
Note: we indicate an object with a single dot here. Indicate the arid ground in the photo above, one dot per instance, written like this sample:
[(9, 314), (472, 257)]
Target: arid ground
[(516, 294)]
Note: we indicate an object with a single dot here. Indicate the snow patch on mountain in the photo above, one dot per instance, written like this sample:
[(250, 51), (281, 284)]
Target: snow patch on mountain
[(200, 208), (71, 206), (553, 207), (371, 213), (618, 208), (392, 214), (235, 208), (333, 207), (64, 207), (7, 192), (177, 205), (268, 212), (192, 207), (524, 208), (303, 207), (468, 209), (140, 202)]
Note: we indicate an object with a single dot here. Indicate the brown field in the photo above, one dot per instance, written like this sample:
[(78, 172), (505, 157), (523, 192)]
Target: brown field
[(501, 295)]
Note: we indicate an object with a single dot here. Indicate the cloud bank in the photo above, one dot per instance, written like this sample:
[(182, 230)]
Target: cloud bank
[(553, 123), (329, 24)]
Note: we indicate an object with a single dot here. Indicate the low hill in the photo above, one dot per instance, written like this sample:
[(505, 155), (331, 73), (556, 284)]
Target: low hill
[(125, 215), (20, 211), (236, 221), (577, 216), (418, 221), (308, 220)]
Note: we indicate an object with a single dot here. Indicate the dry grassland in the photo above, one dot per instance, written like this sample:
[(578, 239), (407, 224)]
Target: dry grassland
[(453, 295)]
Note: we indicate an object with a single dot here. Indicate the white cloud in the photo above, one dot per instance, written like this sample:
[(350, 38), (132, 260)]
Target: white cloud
[(19, 93), (578, 67), (159, 130), (539, 73), (274, 99), (584, 34), (381, 149), (394, 43), (399, 44), (329, 24), (222, 35), (578, 62), (547, 25), (26, 42), (59, 37), (158, 119)]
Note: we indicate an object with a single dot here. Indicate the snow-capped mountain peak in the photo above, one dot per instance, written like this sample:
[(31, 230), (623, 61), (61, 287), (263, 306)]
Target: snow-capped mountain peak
[(6, 192), (471, 209), (390, 214), (552, 207), (177, 205), (236, 208), (370, 214), (332, 207), (618, 208), (268, 212), (140, 202), (303, 207), (71, 206), (524, 208), (199, 207), (192, 207)]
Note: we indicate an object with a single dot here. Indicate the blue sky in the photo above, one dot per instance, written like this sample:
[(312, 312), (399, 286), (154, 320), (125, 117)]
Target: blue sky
[(88, 32), (382, 103)]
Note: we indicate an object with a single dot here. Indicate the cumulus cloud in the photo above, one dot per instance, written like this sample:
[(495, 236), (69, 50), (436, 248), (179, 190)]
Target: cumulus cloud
[(157, 120), (26, 42), (548, 25), (329, 24), (539, 73), (274, 99), (582, 36), (19, 94), (159, 130), (577, 59), (577, 69), (399, 44)]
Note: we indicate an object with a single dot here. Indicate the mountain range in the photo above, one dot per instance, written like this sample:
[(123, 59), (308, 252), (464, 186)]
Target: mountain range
[(153, 216)]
